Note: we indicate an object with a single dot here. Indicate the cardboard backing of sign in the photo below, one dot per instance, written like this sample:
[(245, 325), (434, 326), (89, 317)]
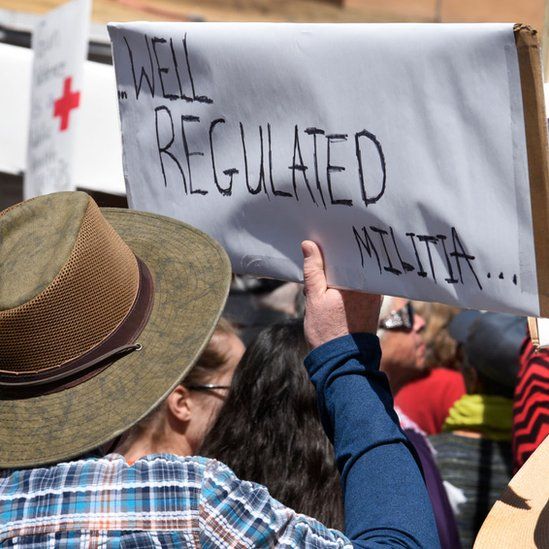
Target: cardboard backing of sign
[(535, 119)]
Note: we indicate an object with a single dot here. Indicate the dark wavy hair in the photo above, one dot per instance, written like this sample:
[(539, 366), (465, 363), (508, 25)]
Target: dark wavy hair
[(269, 429)]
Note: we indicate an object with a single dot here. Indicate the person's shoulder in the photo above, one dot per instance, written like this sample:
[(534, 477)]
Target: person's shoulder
[(112, 468), (145, 495), (238, 512), (164, 460), (190, 470)]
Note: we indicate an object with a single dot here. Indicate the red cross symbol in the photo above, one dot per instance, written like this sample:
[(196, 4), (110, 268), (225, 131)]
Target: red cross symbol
[(63, 106)]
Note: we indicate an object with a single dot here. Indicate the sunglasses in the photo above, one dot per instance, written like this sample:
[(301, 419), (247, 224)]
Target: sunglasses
[(403, 319)]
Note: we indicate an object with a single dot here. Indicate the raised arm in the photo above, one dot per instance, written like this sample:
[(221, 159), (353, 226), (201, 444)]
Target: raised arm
[(386, 502)]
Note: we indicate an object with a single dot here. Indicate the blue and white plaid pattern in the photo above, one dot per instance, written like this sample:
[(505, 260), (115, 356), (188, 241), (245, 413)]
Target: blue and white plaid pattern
[(160, 501)]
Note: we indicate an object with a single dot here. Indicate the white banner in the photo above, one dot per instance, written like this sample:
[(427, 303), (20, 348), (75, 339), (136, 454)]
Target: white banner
[(60, 44), (399, 148)]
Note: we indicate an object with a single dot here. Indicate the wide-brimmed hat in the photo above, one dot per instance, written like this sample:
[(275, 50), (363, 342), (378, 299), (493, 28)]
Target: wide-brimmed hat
[(102, 312), (520, 517)]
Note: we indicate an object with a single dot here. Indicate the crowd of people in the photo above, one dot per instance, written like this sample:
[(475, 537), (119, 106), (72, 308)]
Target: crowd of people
[(134, 415), (453, 376)]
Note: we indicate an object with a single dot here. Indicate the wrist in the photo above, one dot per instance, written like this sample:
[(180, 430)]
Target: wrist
[(360, 344)]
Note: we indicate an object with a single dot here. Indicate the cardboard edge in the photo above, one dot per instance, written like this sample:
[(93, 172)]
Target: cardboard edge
[(533, 329), (535, 122)]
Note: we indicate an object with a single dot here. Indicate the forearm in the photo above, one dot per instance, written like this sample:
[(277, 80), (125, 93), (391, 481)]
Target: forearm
[(384, 493)]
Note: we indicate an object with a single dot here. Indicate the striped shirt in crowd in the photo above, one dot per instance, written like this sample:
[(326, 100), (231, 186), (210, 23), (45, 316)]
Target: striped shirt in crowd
[(160, 501), (531, 405), (481, 468)]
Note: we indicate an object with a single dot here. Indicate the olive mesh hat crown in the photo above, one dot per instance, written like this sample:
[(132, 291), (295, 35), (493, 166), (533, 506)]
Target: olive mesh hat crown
[(73, 280)]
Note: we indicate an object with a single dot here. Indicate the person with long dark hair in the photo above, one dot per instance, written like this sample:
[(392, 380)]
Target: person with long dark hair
[(269, 430)]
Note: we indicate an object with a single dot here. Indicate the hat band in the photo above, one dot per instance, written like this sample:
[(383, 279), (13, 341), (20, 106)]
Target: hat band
[(118, 344)]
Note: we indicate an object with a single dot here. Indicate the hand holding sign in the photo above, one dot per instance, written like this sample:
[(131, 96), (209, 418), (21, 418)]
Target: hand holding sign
[(331, 313)]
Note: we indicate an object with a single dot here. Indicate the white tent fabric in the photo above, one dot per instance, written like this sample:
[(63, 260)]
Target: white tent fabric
[(98, 149)]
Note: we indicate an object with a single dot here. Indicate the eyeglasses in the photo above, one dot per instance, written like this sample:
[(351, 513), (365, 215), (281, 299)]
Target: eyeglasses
[(403, 319), (207, 387)]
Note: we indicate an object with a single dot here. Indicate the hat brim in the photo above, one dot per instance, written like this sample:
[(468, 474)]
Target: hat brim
[(191, 275)]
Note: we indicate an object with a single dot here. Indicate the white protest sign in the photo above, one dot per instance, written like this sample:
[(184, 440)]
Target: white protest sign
[(60, 44), (401, 149)]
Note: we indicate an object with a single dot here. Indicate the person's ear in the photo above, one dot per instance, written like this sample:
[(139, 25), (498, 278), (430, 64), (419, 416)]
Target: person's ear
[(180, 404)]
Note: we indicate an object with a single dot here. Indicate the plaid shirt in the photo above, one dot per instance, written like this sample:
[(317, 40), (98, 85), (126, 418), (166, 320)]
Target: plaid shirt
[(160, 501)]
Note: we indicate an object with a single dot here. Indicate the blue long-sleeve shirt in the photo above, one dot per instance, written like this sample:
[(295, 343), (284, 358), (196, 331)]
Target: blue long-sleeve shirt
[(386, 502), (165, 500)]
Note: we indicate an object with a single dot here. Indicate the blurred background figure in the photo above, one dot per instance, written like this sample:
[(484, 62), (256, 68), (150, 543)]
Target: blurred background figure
[(269, 429), (255, 303), (403, 359), (180, 423), (442, 507), (474, 452), (402, 345), (428, 398), (441, 346)]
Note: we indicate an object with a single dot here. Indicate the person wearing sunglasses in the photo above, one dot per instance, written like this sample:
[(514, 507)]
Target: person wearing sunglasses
[(403, 347), (404, 361)]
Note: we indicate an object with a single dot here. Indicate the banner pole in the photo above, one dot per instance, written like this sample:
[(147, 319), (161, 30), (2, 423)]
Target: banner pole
[(545, 43)]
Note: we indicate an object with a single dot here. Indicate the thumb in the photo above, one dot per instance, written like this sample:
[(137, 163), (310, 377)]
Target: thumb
[(313, 269)]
